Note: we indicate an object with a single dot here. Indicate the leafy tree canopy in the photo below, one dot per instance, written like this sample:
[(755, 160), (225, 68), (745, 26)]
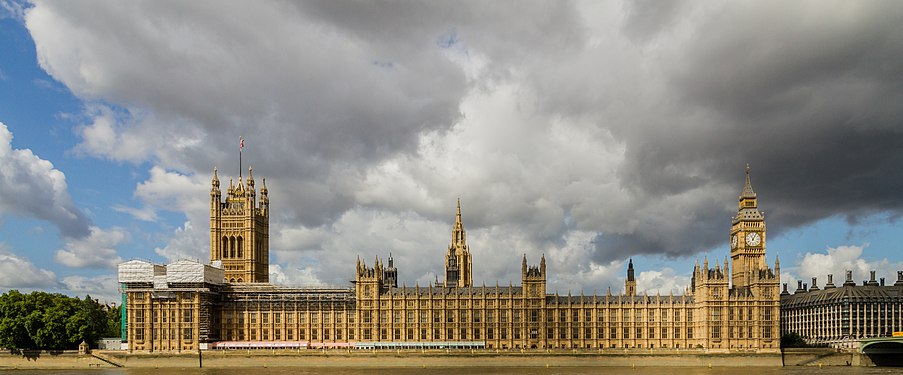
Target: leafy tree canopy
[(54, 321), (793, 340)]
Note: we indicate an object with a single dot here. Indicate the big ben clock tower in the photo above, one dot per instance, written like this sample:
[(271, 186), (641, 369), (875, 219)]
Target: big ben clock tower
[(747, 237)]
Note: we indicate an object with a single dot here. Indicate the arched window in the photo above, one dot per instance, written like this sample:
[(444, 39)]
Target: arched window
[(223, 251), (231, 247), (240, 247)]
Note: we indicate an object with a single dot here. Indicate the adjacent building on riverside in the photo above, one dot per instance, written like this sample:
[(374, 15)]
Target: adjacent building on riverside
[(185, 306), (838, 316)]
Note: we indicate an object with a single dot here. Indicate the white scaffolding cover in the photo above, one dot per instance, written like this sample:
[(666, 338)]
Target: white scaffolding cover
[(189, 271), (139, 271)]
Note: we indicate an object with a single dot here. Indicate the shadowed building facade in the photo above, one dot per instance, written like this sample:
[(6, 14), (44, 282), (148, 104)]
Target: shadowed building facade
[(230, 304)]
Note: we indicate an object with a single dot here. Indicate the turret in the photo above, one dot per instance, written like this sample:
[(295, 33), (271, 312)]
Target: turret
[(390, 275), (630, 282), (534, 279), (264, 198)]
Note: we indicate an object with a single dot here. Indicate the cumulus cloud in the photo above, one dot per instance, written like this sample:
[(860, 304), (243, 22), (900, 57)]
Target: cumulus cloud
[(32, 186), (609, 129), (18, 272), (12, 9), (186, 242), (664, 281), (838, 260), (103, 287), (295, 276), (98, 249), (177, 192)]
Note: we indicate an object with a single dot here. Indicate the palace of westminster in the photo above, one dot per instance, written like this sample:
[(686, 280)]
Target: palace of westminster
[(229, 303)]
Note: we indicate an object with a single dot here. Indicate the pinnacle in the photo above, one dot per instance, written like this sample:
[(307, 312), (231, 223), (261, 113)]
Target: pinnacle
[(748, 191)]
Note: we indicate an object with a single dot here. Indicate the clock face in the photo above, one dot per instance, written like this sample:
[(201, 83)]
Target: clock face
[(753, 239), (734, 241)]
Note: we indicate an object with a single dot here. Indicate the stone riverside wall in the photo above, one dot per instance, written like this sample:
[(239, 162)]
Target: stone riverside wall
[(46, 360), (336, 358), (435, 358), (823, 357)]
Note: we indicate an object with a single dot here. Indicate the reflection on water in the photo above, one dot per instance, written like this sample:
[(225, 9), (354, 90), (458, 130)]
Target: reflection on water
[(484, 370)]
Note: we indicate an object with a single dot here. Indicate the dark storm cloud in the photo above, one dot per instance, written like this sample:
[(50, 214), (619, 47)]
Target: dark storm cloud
[(558, 121), (645, 18), (809, 96)]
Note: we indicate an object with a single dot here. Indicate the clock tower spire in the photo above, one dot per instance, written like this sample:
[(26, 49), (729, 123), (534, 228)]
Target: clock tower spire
[(747, 237)]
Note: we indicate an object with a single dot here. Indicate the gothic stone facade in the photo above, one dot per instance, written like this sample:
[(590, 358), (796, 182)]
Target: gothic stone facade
[(721, 311)]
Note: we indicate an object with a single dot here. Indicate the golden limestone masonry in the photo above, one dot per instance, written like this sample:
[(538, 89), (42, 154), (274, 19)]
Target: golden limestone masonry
[(186, 306)]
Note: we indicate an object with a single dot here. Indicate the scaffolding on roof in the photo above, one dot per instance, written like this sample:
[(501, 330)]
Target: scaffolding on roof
[(139, 271)]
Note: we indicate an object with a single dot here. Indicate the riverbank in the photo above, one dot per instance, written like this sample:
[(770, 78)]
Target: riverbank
[(426, 359), (44, 360), (407, 359)]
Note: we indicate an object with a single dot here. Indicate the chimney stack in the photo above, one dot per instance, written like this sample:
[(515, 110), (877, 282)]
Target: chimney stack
[(872, 281), (814, 284), (849, 281), (830, 283)]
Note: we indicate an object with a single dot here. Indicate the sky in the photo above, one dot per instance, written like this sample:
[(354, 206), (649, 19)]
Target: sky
[(589, 132)]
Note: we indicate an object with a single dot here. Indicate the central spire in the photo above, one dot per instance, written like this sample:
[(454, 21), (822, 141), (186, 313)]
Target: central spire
[(458, 235), (457, 259), (748, 191)]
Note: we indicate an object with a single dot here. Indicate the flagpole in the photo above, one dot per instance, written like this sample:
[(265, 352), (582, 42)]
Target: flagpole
[(241, 145)]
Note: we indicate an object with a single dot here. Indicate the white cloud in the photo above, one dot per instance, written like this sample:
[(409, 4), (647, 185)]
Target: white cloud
[(104, 287), (174, 191), (18, 272), (569, 270), (143, 213), (295, 276), (12, 9), (187, 242), (32, 186), (184, 193), (663, 282), (838, 260), (98, 249)]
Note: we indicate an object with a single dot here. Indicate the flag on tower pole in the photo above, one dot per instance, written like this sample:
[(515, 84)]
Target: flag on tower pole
[(241, 145)]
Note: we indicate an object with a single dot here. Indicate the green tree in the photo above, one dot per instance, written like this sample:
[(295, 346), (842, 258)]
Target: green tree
[(41, 320), (12, 320), (793, 340), (114, 317)]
